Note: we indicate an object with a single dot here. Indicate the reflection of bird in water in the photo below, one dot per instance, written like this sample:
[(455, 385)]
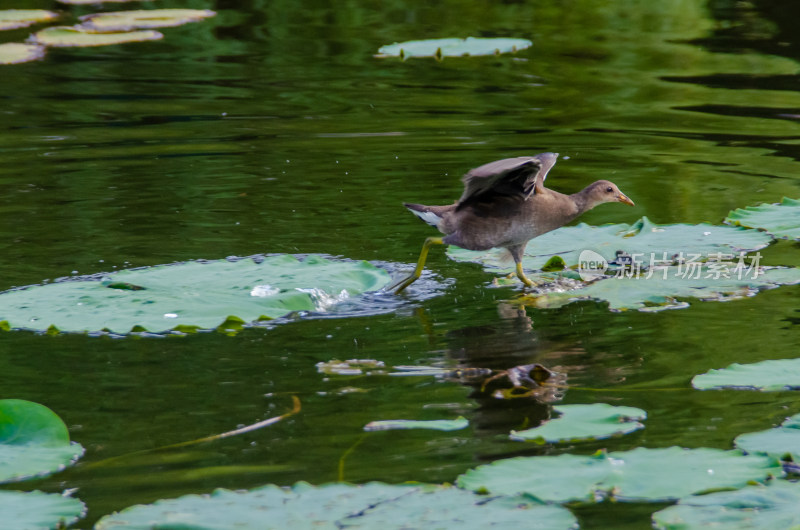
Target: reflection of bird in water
[(500, 363), (505, 204), (517, 370), (503, 360)]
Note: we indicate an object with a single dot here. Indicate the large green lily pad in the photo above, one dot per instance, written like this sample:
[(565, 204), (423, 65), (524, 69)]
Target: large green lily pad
[(18, 52), (34, 441), (777, 442), (780, 220), (755, 507), (648, 242), (373, 505), (37, 510), (22, 18), (143, 19), (652, 475), (76, 36), (584, 422), (191, 295), (440, 48), (767, 376), (669, 287)]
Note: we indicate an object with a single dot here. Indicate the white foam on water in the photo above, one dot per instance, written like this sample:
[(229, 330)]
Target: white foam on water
[(322, 300), (264, 291)]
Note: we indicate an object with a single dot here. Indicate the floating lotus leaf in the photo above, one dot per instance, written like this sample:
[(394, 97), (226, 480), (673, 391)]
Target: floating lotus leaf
[(755, 507), (38, 510), (18, 52), (351, 367), (34, 441), (647, 242), (767, 376), (666, 287), (652, 475), (76, 36), (584, 422), (143, 19), (781, 220), (776, 442), (191, 295), (372, 505), (435, 425), (22, 18), (439, 48)]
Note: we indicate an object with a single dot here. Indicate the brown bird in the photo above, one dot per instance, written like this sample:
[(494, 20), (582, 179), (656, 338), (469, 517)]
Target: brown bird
[(505, 204)]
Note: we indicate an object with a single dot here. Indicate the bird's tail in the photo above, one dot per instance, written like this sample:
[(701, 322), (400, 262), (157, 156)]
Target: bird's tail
[(430, 214)]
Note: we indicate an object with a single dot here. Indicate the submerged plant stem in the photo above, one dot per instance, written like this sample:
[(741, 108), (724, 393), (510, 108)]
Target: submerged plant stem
[(296, 407), (248, 428), (346, 454)]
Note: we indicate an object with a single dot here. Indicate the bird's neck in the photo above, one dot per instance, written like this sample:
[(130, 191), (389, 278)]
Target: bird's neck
[(564, 208), (582, 201)]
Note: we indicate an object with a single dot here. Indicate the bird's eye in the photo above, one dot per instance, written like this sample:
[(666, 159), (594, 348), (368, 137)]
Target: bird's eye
[(609, 189)]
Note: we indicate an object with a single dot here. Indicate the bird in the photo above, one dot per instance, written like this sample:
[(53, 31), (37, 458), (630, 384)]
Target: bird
[(505, 205)]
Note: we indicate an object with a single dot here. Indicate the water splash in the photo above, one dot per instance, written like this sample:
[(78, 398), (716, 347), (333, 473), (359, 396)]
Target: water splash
[(264, 291), (322, 300)]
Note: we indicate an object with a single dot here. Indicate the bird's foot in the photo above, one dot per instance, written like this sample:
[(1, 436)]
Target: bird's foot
[(531, 289), (524, 279), (400, 285)]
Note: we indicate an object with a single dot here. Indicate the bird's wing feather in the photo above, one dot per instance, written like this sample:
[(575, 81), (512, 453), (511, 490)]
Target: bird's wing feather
[(510, 176)]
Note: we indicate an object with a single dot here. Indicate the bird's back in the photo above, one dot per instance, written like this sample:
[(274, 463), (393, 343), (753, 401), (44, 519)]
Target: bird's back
[(504, 204)]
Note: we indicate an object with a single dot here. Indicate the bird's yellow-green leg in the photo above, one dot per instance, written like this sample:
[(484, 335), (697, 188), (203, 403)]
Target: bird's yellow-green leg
[(521, 276), (400, 286)]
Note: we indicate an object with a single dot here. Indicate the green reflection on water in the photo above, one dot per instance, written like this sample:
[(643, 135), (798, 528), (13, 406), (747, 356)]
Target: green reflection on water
[(272, 128)]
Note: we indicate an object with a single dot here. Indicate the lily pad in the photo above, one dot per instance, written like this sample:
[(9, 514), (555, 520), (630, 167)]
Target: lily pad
[(780, 220), (76, 36), (18, 52), (766, 376), (755, 507), (22, 18), (34, 442), (644, 241), (351, 367), (665, 288), (585, 422), (777, 442), (372, 505), (640, 475), (435, 425), (35, 509), (439, 48), (143, 19), (193, 295)]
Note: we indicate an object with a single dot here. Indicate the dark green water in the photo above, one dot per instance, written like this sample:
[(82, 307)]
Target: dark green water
[(272, 129)]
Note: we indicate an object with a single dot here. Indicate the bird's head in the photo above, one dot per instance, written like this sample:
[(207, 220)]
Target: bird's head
[(604, 191)]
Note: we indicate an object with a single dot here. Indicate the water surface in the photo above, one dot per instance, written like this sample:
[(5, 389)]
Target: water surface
[(272, 129)]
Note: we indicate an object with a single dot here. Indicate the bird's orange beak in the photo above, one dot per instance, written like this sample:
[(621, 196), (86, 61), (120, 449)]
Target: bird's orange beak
[(624, 198)]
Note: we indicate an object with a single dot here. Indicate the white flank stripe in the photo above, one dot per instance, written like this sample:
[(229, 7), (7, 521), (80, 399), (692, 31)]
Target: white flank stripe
[(429, 217)]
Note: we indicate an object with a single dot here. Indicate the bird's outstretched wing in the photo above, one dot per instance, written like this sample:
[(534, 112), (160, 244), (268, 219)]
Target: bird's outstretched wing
[(518, 177)]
